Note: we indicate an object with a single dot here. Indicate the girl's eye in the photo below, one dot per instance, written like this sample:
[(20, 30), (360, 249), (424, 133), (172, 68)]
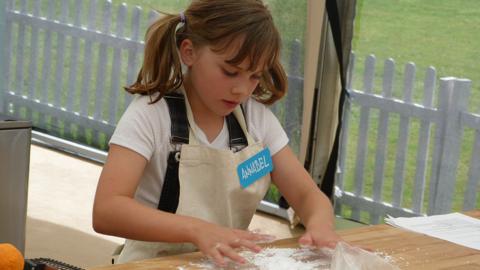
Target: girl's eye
[(256, 77), (229, 74)]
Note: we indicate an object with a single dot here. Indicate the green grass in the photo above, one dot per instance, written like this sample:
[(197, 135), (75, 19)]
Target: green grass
[(438, 33)]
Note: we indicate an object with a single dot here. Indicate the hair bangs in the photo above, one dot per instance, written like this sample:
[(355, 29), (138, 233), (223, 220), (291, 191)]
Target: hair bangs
[(260, 46)]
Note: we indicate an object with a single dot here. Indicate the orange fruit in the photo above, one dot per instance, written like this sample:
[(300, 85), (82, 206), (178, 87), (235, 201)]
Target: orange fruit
[(10, 257)]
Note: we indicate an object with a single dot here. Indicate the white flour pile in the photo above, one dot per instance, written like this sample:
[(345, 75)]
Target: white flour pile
[(342, 258), (274, 258)]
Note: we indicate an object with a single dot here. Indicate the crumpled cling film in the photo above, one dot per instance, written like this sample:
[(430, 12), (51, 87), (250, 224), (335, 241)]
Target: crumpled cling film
[(353, 258)]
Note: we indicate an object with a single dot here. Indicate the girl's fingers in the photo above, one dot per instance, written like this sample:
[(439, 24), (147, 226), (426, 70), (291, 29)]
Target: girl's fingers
[(305, 241), (216, 256), (256, 236), (264, 238), (327, 244), (229, 252), (331, 244), (247, 244)]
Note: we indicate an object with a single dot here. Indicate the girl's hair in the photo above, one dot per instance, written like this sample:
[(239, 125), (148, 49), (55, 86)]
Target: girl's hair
[(216, 23)]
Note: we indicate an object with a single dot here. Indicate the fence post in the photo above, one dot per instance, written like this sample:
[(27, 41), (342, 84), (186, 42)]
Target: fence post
[(3, 55), (454, 95), (423, 144), (294, 95)]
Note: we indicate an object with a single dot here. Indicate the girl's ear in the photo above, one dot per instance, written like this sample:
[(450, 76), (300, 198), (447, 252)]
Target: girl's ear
[(187, 52)]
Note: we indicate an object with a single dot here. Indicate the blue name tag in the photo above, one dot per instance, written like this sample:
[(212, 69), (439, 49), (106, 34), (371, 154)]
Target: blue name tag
[(255, 168)]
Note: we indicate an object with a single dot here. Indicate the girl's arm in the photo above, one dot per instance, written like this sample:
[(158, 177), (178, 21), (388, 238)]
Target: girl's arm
[(115, 212), (301, 192)]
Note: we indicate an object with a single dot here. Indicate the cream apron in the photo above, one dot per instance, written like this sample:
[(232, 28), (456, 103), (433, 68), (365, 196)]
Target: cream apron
[(209, 190)]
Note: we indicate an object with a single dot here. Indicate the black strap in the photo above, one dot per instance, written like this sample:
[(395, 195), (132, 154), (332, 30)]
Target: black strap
[(178, 135), (178, 116), (179, 126), (328, 182), (236, 135), (171, 185), (170, 194)]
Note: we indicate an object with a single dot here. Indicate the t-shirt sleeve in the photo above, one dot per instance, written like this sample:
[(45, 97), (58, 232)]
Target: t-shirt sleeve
[(275, 136), (136, 129), (266, 127)]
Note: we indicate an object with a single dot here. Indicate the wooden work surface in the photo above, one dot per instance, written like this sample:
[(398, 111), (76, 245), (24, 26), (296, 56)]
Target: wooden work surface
[(409, 250)]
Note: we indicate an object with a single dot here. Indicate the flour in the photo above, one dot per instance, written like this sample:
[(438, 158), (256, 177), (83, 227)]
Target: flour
[(275, 259), (341, 258)]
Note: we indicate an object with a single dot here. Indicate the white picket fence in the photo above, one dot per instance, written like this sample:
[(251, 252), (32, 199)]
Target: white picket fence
[(449, 119), (75, 90)]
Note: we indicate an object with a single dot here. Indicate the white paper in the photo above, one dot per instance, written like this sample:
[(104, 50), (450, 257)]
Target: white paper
[(455, 227)]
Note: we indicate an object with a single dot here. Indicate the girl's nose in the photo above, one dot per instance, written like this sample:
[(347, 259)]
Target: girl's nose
[(240, 89)]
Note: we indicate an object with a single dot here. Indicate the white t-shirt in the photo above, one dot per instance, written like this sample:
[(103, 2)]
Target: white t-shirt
[(145, 129)]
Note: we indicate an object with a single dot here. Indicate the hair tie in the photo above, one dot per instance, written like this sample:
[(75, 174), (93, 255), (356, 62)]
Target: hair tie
[(182, 17)]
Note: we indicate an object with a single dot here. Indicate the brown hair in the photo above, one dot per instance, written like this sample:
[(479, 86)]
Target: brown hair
[(217, 23)]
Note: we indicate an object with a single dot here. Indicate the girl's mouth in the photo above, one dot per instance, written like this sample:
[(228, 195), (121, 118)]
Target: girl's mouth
[(230, 104)]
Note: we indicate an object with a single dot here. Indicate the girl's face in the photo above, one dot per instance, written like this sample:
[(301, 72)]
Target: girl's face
[(214, 86)]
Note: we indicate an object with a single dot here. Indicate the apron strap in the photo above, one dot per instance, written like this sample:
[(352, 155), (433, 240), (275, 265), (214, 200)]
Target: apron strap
[(179, 135), (171, 186), (237, 138), (178, 116), (179, 123)]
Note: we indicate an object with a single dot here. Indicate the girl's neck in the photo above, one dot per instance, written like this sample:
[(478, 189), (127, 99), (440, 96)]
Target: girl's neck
[(210, 123)]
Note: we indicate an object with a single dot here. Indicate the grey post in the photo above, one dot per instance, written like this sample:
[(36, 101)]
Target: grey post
[(456, 92), (3, 41)]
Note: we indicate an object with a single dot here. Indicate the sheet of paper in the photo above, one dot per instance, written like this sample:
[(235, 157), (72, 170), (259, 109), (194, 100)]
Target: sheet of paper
[(454, 227)]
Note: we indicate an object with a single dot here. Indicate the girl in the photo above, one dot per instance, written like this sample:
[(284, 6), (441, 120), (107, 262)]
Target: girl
[(193, 154)]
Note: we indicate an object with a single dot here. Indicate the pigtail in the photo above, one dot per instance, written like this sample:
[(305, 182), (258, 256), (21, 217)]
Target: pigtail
[(161, 70)]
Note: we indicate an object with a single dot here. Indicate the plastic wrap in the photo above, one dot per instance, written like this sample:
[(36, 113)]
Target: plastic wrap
[(354, 258)]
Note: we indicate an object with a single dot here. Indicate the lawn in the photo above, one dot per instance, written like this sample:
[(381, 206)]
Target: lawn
[(438, 33)]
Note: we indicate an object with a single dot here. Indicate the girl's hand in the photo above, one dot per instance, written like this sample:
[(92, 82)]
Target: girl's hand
[(217, 242), (319, 238), (328, 239)]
